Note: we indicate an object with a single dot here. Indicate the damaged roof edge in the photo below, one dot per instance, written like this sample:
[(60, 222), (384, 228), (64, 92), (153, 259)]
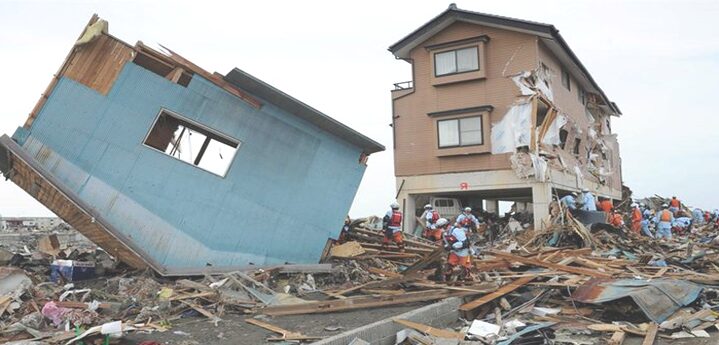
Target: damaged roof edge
[(257, 87), (545, 30)]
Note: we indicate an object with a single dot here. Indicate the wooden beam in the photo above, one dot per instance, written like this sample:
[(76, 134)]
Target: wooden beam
[(617, 338), (440, 333), (360, 302), (514, 285), (651, 334), (558, 267)]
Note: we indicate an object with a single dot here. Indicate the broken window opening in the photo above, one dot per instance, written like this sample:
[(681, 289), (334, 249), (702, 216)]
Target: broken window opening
[(155, 65), (542, 111), (577, 143), (563, 134), (191, 143), (566, 80)]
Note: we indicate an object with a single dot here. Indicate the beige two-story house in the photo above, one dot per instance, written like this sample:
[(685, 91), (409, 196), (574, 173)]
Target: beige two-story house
[(499, 109)]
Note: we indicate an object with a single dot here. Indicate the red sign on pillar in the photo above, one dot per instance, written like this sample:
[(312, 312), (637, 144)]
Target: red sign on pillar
[(464, 186)]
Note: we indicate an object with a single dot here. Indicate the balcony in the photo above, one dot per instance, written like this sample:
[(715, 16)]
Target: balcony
[(405, 85)]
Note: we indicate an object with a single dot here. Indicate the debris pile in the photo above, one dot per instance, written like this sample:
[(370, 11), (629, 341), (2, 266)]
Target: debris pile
[(595, 282)]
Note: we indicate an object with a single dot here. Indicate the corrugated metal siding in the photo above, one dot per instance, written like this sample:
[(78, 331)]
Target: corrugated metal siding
[(288, 189)]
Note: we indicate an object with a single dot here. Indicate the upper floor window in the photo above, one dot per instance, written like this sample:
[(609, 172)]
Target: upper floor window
[(466, 131), (565, 80), (581, 96), (456, 61)]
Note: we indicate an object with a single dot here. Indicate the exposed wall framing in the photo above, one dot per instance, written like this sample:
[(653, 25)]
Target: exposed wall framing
[(96, 60)]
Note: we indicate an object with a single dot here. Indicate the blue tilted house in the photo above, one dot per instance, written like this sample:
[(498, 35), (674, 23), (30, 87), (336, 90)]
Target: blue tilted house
[(166, 165)]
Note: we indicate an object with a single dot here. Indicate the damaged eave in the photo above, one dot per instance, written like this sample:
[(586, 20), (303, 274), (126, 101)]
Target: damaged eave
[(255, 86)]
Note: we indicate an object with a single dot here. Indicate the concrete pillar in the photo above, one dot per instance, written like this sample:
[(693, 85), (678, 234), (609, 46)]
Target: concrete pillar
[(541, 198), (492, 206), (408, 205)]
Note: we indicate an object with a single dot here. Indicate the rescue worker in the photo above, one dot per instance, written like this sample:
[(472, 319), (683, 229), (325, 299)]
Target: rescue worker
[(647, 211), (467, 220), (605, 205), (458, 259), (438, 230), (636, 218), (664, 220), (675, 205), (645, 227), (569, 201), (345, 233), (430, 217), (587, 200), (392, 226), (616, 220), (698, 216)]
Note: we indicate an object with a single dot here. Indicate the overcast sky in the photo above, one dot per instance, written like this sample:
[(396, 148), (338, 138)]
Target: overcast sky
[(658, 60)]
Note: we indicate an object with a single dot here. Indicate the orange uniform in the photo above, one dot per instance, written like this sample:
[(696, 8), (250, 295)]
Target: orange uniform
[(454, 260), (396, 238), (606, 205), (616, 220), (636, 220)]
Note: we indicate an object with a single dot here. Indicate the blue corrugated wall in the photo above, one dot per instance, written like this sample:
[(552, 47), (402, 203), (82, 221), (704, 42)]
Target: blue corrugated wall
[(288, 189)]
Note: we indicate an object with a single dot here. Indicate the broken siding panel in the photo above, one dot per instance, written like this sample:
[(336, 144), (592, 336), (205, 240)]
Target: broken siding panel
[(186, 217), (98, 63)]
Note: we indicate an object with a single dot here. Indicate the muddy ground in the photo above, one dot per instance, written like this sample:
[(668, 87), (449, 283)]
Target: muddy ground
[(234, 330)]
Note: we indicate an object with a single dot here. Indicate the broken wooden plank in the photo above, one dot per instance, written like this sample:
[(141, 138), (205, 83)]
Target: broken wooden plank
[(285, 334), (514, 285), (651, 334), (201, 310), (361, 302), (429, 259), (558, 267), (193, 295), (617, 338), (440, 333)]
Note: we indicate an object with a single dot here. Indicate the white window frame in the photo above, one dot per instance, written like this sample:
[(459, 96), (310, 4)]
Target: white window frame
[(456, 67), (459, 132)]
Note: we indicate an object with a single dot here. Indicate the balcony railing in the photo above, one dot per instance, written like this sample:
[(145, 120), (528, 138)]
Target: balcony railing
[(405, 85)]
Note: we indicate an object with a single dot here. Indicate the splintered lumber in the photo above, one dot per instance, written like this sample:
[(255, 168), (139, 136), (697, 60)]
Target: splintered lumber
[(617, 338), (484, 288), (200, 310), (285, 334), (651, 334), (361, 302), (514, 285), (424, 262), (439, 333), (558, 267), (412, 250)]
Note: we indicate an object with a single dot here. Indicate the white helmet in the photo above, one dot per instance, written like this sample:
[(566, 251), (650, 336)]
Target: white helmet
[(442, 222), (635, 205), (394, 206), (427, 206), (585, 190), (665, 206), (467, 209)]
